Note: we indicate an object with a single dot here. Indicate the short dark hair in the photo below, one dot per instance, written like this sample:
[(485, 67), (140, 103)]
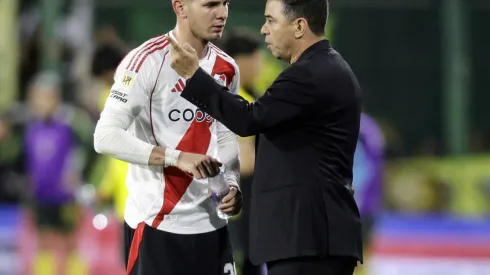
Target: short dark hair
[(106, 58), (314, 11), (240, 41)]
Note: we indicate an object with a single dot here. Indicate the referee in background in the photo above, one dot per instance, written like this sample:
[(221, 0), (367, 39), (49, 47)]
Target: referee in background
[(245, 47)]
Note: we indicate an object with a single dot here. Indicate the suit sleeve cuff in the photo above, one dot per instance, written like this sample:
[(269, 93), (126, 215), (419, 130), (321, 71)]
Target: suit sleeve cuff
[(193, 91)]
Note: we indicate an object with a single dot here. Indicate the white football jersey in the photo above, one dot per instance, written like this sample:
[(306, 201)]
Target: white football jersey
[(149, 89)]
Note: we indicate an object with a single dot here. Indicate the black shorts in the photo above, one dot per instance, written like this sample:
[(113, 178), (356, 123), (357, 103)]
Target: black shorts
[(313, 266), (150, 251), (62, 217)]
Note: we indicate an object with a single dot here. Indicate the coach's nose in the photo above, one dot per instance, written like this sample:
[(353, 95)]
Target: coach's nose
[(263, 30)]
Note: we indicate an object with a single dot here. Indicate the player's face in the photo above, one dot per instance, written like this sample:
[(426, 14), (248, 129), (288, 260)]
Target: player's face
[(207, 18), (278, 30)]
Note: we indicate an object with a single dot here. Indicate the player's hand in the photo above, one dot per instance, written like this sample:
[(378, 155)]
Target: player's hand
[(200, 166), (184, 58), (232, 203)]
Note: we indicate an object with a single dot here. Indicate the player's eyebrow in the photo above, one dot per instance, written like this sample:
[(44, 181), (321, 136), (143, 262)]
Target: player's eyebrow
[(214, 2)]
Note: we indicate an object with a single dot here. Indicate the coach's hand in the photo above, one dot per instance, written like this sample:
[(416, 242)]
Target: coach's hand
[(184, 58), (200, 166), (232, 203)]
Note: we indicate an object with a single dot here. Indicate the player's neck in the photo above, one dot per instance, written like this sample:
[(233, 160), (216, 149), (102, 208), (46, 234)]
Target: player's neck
[(183, 35)]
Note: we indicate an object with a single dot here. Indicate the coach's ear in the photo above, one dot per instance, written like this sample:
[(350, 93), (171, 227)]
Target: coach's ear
[(300, 27), (179, 10)]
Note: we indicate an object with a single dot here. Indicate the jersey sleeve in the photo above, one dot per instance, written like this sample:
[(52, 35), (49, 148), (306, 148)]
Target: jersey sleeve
[(129, 95), (235, 83), (228, 150), (131, 89)]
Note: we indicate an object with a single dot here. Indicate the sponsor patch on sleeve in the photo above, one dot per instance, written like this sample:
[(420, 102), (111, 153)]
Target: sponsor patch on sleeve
[(128, 79), (119, 96)]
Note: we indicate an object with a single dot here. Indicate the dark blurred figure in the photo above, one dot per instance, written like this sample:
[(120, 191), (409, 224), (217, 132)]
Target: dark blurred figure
[(31, 57), (107, 35), (101, 63), (245, 47), (50, 146), (104, 64)]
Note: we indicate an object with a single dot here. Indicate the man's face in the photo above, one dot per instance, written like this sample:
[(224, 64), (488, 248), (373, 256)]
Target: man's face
[(44, 99), (278, 30), (207, 18)]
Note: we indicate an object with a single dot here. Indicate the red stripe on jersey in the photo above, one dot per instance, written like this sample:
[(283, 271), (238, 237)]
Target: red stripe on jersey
[(145, 49), (142, 49), (181, 83), (218, 51), (135, 247), (223, 67), (179, 88), (195, 140), (150, 52), (144, 53), (173, 90)]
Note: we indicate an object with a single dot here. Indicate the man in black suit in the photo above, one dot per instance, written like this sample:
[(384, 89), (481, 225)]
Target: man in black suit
[(304, 219)]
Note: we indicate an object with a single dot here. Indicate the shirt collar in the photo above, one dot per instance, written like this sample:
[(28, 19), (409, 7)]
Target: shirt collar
[(319, 46)]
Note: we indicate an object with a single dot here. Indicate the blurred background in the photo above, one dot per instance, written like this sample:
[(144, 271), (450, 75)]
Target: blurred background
[(422, 167)]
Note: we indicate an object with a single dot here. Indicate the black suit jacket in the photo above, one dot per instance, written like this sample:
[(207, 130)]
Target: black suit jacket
[(308, 122)]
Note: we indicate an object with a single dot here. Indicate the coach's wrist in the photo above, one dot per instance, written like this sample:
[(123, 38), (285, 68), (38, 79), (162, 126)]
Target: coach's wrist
[(191, 73)]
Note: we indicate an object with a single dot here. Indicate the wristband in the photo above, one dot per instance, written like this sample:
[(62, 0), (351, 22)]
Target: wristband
[(171, 157)]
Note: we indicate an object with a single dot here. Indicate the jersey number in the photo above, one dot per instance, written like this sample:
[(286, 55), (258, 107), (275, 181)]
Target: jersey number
[(230, 269)]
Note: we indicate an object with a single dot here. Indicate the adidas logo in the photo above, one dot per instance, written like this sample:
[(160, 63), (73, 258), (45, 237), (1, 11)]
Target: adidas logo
[(179, 87)]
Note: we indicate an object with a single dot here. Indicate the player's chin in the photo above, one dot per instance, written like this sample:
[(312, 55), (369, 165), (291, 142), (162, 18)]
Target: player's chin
[(213, 36)]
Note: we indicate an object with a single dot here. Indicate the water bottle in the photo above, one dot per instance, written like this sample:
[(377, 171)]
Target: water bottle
[(219, 189)]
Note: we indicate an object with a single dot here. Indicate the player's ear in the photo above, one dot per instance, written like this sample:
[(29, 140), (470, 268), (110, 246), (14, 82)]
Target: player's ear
[(179, 9)]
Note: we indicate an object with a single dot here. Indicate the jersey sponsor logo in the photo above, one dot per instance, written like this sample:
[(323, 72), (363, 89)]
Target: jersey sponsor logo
[(189, 115), (128, 79), (220, 78), (119, 96)]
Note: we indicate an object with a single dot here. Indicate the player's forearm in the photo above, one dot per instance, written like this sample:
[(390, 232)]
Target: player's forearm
[(228, 153), (157, 156), (112, 139), (119, 144)]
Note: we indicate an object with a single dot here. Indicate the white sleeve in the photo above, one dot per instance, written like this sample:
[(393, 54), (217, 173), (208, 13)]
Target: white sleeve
[(228, 150), (129, 95)]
